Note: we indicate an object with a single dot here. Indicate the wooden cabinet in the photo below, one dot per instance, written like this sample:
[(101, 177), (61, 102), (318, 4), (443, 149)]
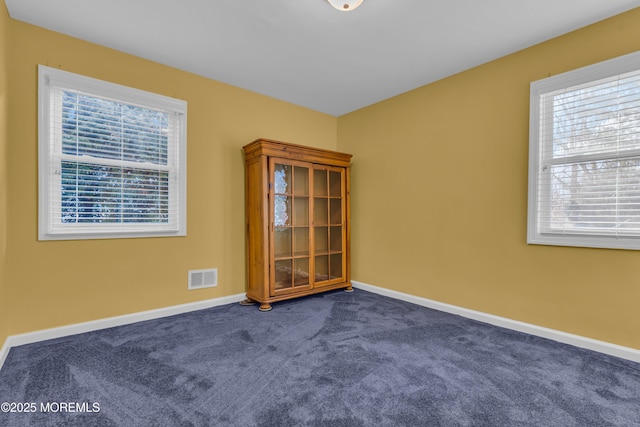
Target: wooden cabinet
[(297, 213)]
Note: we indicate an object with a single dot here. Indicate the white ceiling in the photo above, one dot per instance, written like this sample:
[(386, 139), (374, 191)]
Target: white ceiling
[(307, 53)]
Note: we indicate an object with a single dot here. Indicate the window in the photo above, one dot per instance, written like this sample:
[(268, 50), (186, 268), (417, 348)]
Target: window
[(584, 159), (112, 160)]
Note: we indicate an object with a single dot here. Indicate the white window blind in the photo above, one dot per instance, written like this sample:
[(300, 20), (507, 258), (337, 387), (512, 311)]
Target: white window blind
[(584, 182), (112, 160)]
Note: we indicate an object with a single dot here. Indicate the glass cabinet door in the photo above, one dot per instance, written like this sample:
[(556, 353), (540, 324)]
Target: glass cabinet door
[(290, 212), (328, 225)]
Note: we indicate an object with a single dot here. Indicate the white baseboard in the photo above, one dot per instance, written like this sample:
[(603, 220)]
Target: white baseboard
[(4, 351), (559, 336), (110, 322)]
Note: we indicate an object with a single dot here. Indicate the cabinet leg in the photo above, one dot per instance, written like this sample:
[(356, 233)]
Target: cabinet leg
[(248, 301), (349, 289), (265, 306)]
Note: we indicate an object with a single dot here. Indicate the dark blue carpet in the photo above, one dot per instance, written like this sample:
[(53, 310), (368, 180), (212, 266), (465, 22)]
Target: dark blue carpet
[(336, 359)]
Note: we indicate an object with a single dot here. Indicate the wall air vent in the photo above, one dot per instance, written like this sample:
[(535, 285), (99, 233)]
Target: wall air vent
[(199, 279)]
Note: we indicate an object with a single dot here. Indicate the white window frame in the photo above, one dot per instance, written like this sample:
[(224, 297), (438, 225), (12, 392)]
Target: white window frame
[(538, 165), (50, 225)]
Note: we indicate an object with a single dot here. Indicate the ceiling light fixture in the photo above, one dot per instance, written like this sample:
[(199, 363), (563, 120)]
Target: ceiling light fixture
[(345, 5)]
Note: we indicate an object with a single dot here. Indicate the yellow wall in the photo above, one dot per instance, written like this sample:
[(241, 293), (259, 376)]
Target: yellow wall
[(439, 193), (58, 283), (4, 20)]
